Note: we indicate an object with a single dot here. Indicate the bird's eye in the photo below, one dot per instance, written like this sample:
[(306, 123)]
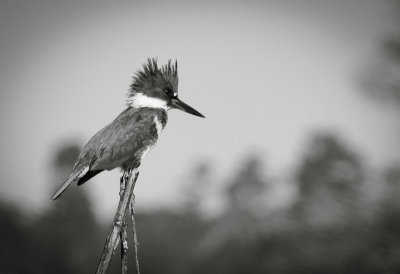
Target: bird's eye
[(170, 93)]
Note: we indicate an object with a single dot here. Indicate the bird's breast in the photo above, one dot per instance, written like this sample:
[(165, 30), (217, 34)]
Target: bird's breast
[(159, 126)]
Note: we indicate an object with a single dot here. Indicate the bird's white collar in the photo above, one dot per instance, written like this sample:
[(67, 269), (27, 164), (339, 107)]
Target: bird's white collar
[(140, 100)]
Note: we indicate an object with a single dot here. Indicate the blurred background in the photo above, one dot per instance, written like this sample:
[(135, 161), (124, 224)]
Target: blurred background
[(296, 168)]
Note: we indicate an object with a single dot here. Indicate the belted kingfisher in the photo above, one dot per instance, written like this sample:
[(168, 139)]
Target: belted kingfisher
[(125, 141)]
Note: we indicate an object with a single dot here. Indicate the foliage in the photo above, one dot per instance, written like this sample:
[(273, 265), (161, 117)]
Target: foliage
[(328, 227)]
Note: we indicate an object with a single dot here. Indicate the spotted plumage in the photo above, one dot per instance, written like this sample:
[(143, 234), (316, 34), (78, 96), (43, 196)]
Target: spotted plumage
[(125, 141)]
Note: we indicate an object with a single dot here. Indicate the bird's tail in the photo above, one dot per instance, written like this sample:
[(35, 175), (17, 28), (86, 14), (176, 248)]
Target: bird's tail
[(73, 177)]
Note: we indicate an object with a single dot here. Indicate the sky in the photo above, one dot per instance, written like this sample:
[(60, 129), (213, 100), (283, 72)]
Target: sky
[(266, 74)]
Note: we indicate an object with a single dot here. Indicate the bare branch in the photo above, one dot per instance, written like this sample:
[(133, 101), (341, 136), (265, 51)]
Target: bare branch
[(124, 228), (112, 238), (132, 208)]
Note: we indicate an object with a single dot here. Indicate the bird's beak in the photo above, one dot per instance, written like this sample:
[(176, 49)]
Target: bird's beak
[(178, 104)]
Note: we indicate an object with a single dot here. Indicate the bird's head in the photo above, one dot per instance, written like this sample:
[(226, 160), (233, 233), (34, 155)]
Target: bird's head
[(156, 87)]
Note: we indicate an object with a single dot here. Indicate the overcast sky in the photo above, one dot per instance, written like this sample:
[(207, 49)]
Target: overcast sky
[(266, 74)]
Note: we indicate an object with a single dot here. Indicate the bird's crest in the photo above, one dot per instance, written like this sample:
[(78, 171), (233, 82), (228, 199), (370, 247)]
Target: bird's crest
[(151, 76)]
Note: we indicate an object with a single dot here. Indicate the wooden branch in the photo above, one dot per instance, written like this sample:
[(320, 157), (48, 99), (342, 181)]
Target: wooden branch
[(112, 238), (124, 246), (124, 233), (135, 240)]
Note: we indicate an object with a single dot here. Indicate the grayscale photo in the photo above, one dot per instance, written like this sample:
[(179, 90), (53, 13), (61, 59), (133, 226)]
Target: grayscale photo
[(192, 137)]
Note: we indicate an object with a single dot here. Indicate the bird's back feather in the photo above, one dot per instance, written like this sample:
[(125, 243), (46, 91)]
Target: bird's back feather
[(122, 143)]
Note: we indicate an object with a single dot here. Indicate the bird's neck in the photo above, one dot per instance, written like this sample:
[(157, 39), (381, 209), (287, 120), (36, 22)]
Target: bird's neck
[(140, 100)]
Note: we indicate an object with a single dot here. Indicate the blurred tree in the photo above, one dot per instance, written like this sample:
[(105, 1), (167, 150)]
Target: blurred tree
[(392, 176), (245, 194), (244, 239), (65, 239), (392, 188), (329, 179), (383, 255), (167, 241), (383, 78), (383, 82), (14, 235), (248, 186), (227, 247), (196, 187)]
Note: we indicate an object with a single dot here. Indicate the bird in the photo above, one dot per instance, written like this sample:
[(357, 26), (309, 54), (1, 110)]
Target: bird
[(133, 133)]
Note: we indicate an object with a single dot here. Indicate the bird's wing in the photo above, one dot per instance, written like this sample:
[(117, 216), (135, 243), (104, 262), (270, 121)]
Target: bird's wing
[(73, 177), (125, 138)]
